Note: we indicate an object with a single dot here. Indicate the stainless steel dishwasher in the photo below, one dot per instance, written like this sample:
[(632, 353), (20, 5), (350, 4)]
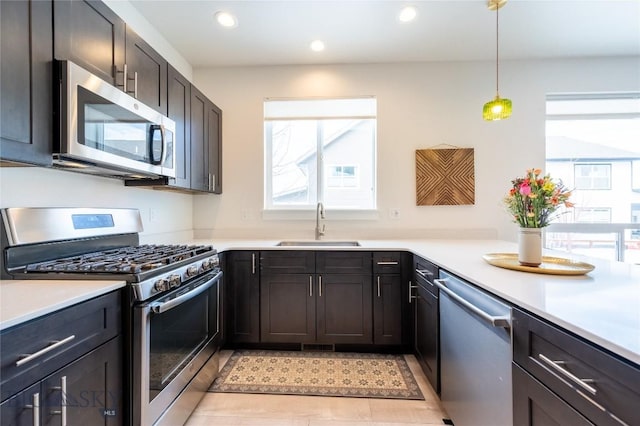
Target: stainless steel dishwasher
[(475, 354)]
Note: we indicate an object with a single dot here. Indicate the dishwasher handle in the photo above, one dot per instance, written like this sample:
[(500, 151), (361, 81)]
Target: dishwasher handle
[(496, 321)]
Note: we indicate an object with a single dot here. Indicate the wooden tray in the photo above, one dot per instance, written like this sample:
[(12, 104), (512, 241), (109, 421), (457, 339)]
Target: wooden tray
[(550, 265)]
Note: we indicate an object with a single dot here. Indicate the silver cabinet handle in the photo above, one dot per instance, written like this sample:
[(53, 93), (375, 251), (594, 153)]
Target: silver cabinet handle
[(424, 273), (411, 296), (55, 344), (253, 263), (63, 401), (213, 182), (496, 321), (378, 285), (135, 84), (310, 286), (387, 263), (124, 77), (557, 366), (320, 285), (35, 406)]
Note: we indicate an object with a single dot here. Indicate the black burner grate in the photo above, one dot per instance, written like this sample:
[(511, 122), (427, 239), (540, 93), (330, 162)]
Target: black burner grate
[(131, 260)]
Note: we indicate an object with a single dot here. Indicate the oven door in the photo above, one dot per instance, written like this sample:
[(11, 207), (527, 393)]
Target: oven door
[(174, 337)]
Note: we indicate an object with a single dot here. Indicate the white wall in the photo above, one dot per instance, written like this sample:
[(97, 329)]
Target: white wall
[(419, 106), (166, 216)]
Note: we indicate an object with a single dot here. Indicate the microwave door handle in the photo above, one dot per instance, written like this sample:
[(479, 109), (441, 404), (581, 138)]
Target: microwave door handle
[(152, 130)]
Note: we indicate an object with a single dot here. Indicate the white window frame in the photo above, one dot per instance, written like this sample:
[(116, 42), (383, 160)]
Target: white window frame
[(272, 211)]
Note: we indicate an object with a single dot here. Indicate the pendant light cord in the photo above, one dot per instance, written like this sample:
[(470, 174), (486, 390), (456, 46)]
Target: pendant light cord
[(497, 51)]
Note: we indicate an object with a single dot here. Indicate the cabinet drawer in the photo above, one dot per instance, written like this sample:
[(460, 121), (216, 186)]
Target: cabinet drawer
[(288, 261), (387, 262), (78, 329), (610, 386), (343, 262), (424, 274)]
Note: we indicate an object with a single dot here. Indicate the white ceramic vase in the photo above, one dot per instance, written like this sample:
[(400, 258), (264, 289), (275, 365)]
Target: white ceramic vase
[(530, 246)]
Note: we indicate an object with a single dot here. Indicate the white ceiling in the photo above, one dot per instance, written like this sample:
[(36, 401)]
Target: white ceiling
[(367, 31)]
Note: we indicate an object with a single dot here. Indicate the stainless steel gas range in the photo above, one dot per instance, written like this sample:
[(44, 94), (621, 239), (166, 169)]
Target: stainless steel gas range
[(172, 321)]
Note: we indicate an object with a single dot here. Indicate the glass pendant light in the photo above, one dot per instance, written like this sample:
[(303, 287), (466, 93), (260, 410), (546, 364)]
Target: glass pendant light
[(498, 108)]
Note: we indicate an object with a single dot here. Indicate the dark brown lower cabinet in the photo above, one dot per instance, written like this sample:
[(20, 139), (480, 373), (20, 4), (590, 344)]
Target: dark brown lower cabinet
[(243, 296), (344, 309), (535, 405), (87, 392), (311, 308), (557, 374), (426, 340), (387, 309), (287, 308)]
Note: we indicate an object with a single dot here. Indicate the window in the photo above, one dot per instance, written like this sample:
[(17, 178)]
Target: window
[(592, 146), (592, 176), (320, 150)]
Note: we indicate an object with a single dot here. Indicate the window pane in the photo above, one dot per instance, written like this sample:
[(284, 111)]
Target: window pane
[(293, 155), (347, 149)]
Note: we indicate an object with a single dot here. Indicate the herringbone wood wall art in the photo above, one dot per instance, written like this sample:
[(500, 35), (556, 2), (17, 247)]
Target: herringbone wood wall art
[(445, 177)]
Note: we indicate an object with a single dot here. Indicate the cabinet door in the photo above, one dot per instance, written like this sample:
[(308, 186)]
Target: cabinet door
[(214, 145), (287, 308), (23, 409), (26, 82), (344, 309), (146, 73), (90, 34), (179, 110), (89, 389), (243, 283), (387, 310), (535, 405), (199, 149), (426, 341)]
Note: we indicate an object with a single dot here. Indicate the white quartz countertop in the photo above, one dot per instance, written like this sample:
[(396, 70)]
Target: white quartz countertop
[(24, 300), (602, 306)]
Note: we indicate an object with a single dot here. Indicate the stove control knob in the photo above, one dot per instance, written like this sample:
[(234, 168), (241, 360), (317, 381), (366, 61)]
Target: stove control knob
[(192, 271), (161, 285), (207, 264), (174, 281)]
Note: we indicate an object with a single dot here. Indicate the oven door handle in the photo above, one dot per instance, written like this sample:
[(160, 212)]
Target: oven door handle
[(160, 307)]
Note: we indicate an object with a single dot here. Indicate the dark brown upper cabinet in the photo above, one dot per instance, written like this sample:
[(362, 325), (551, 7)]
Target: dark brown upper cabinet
[(26, 82), (90, 34), (146, 73)]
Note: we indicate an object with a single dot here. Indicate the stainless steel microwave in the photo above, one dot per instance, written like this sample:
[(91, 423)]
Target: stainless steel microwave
[(102, 130)]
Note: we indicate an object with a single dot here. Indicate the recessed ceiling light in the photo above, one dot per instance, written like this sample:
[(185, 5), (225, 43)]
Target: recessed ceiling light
[(226, 19), (408, 14), (317, 45)]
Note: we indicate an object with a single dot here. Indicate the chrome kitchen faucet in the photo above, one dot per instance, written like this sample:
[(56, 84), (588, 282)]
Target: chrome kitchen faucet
[(319, 215)]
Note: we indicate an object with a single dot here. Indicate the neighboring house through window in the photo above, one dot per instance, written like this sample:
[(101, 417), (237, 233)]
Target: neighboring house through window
[(593, 146), (320, 150)]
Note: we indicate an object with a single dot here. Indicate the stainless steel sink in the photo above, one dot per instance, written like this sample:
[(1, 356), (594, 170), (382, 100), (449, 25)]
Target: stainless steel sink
[(318, 243)]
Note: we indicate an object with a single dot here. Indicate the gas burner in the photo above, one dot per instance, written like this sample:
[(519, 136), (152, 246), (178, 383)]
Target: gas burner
[(128, 260)]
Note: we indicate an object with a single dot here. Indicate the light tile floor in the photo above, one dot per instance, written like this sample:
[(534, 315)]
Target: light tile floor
[(230, 409)]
